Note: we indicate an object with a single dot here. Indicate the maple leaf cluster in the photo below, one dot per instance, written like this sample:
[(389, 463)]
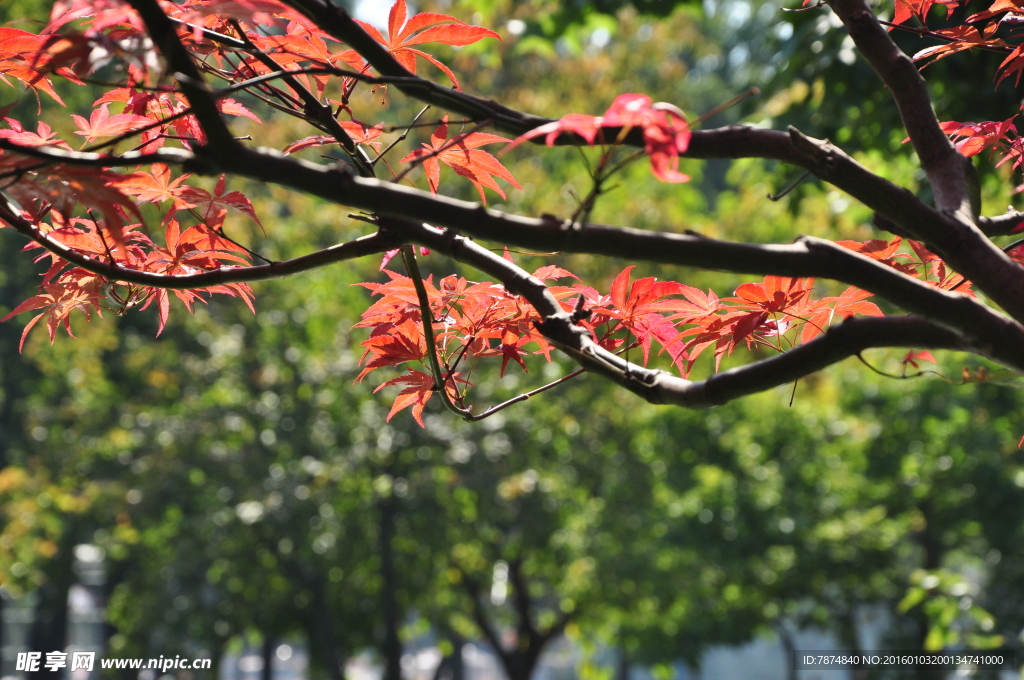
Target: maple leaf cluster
[(473, 320)]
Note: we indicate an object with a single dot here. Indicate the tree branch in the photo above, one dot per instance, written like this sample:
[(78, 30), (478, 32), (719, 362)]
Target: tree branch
[(339, 24), (945, 167), (659, 387), (315, 109), (366, 245), (54, 154), (809, 257), (1008, 223), (480, 617)]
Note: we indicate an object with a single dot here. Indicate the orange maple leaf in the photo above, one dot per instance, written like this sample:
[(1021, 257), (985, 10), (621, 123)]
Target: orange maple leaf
[(425, 27), (461, 154)]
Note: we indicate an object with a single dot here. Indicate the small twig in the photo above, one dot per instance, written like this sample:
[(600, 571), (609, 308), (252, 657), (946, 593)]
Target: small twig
[(401, 137), (802, 9), (526, 395), (792, 185), (320, 113), (427, 319), (429, 123), (890, 375), (220, 232), (444, 147), (749, 92), (1013, 245)]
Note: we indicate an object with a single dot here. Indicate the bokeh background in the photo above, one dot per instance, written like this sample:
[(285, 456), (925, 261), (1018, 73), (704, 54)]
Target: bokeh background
[(224, 491)]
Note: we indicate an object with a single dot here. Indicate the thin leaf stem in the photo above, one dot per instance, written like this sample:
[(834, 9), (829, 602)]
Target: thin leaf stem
[(401, 138), (427, 319)]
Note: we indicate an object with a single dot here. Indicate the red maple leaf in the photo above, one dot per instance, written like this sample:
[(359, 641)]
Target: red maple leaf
[(817, 315), (907, 9), (23, 57), (421, 389), (359, 133), (640, 306), (78, 289), (392, 344), (44, 135), (961, 38), (425, 27), (665, 131), (212, 208), (102, 124), (154, 187), (461, 154), (973, 138), (101, 14), (914, 356)]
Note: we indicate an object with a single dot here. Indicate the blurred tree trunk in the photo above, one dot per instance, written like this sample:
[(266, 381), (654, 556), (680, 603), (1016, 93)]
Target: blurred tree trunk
[(788, 648), (50, 629), (622, 669), (931, 542), (267, 652), (392, 647), (452, 666)]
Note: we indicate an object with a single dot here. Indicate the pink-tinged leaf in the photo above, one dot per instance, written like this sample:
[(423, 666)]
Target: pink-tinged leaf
[(35, 302), (554, 272), (580, 124), (391, 253), (155, 187), (462, 155), (914, 356), (44, 135), (456, 35), (308, 143), (102, 124), (419, 392), (212, 207), (853, 301), (387, 257), (665, 130), (405, 31), (233, 108), (620, 289)]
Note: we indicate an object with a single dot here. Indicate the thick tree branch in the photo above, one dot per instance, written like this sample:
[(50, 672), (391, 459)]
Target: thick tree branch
[(55, 155), (810, 257), (1008, 223), (945, 167), (842, 341), (204, 105), (955, 237), (480, 616)]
